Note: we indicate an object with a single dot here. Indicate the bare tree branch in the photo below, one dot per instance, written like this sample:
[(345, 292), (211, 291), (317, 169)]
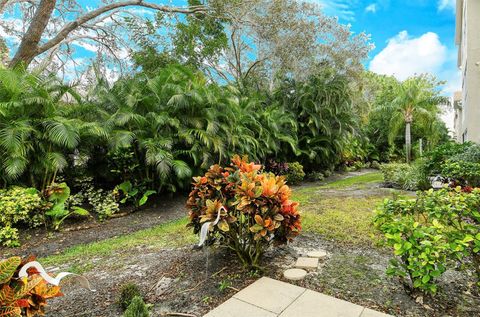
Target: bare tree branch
[(29, 46)]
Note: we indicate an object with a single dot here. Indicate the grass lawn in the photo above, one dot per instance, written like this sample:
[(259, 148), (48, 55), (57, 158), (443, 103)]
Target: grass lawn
[(357, 181), (344, 220), (331, 212)]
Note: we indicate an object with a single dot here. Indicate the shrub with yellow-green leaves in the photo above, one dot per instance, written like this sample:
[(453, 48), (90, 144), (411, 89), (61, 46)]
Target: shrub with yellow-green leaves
[(18, 206), (257, 209)]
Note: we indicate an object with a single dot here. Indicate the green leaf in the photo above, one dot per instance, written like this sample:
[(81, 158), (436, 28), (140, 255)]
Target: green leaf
[(80, 211), (425, 279), (125, 187), (145, 196)]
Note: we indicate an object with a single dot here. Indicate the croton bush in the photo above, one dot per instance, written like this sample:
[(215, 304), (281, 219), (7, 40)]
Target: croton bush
[(258, 210), (428, 235), (23, 296)]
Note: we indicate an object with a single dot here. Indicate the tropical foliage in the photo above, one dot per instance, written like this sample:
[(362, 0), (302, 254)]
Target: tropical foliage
[(403, 114), (37, 128), (257, 209)]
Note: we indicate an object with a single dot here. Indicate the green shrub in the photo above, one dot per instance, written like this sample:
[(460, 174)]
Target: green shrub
[(404, 176), (465, 173), (57, 195), (315, 176), (429, 234), (137, 308), (433, 160), (375, 165), (470, 154), (127, 293), (295, 173), (18, 206), (103, 202)]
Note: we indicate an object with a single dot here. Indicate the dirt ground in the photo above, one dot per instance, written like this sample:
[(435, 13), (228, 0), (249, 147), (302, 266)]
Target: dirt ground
[(191, 281)]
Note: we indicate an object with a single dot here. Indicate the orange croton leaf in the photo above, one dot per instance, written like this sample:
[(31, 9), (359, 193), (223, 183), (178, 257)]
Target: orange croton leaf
[(259, 220), (269, 186), (22, 303)]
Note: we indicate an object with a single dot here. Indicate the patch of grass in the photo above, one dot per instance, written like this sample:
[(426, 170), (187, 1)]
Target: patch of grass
[(357, 181), (343, 219), (345, 273), (171, 234), (304, 195)]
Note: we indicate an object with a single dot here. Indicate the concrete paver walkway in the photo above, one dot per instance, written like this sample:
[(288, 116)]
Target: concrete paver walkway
[(271, 298)]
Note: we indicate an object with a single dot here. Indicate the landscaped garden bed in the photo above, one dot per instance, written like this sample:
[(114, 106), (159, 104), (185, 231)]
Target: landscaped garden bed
[(176, 277)]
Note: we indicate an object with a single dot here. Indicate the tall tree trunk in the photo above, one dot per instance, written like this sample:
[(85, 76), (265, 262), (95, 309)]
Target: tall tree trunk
[(408, 141), (28, 48)]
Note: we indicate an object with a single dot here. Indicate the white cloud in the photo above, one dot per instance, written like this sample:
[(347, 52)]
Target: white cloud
[(446, 5), (371, 8), (405, 56)]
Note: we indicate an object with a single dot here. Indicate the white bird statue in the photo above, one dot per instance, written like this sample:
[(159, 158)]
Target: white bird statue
[(52, 280), (206, 227)]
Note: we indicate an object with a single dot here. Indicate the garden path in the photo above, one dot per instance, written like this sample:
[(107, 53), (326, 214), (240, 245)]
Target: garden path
[(271, 298)]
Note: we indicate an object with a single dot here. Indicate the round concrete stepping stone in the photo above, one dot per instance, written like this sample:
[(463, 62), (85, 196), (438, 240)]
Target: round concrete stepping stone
[(295, 274), (319, 254), (307, 263)]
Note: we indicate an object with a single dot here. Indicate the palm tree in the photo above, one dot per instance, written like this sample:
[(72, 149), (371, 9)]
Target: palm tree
[(417, 101), (37, 130), (322, 107)]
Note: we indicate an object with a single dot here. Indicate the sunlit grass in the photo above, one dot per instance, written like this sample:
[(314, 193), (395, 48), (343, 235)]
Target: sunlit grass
[(171, 234), (360, 180), (342, 219)]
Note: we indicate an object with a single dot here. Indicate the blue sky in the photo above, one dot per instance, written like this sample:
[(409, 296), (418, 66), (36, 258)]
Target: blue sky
[(410, 36)]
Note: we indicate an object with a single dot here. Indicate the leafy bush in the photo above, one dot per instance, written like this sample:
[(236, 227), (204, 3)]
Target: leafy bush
[(128, 292), (375, 165), (103, 202), (134, 193), (18, 206), (463, 172), (404, 176), (470, 154), (57, 195), (434, 160), (258, 209), (430, 233), (137, 308), (315, 176), (23, 297), (327, 173), (295, 173)]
